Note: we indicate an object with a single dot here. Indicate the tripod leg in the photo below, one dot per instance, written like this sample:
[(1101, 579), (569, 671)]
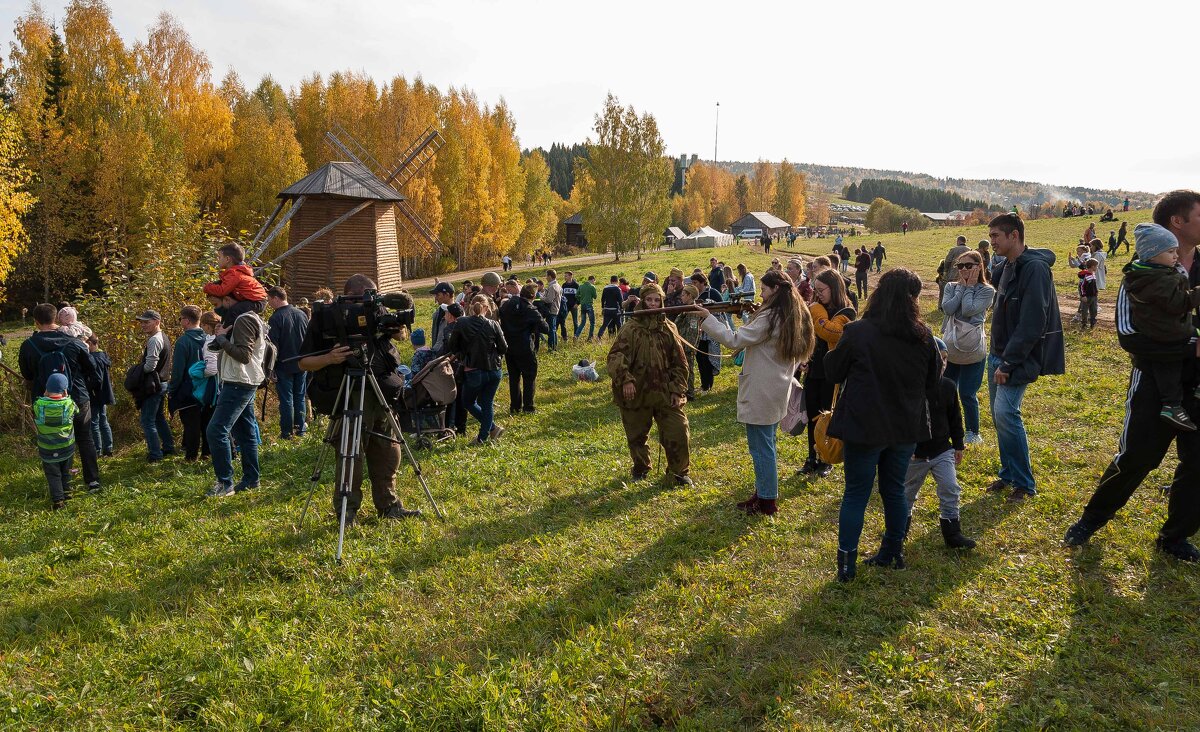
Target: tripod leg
[(404, 446), (326, 443), (351, 448)]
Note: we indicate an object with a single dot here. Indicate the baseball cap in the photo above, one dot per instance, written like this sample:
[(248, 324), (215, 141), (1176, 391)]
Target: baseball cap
[(442, 287), (56, 384), (651, 276), (149, 315)]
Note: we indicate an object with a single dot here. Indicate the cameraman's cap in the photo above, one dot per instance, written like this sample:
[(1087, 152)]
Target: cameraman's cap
[(442, 287), (491, 279), (148, 316)]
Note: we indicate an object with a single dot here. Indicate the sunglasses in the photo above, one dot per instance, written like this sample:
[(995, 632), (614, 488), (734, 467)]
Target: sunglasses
[(965, 265)]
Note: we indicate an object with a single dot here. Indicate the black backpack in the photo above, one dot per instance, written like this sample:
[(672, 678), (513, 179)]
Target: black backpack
[(51, 362)]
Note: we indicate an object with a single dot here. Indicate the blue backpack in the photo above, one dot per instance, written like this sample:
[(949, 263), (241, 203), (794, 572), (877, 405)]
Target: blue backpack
[(204, 388), (51, 362)]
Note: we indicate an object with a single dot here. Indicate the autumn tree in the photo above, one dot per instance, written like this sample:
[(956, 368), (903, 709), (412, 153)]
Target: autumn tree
[(629, 178), (761, 194), (15, 202), (741, 194), (790, 194), (539, 206)]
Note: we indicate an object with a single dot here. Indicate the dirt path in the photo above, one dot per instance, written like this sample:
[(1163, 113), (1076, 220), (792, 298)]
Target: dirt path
[(524, 268)]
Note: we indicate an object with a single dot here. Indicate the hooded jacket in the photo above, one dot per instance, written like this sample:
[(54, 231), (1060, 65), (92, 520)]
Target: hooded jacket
[(238, 281), (649, 353), (1027, 332), (188, 350), (478, 342), (75, 352), (519, 320), (1160, 301)]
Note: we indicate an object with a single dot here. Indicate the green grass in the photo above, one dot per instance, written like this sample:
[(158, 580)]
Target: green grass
[(555, 596)]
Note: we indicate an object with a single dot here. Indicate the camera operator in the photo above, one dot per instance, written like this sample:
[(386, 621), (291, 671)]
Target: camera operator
[(382, 456)]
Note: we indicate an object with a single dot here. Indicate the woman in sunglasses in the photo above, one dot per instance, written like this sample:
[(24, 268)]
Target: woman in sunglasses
[(965, 303)]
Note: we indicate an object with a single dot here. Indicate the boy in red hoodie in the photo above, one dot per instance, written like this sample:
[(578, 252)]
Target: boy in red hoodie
[(237, 281)]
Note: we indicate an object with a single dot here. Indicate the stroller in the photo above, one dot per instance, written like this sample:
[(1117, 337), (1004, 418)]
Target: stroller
[(421, 405)]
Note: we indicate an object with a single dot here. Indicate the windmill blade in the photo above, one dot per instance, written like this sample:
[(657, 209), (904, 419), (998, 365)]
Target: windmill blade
[(266, 242), (343, 142), (416, 157), (268, 222), (416, 227), (315, 235)]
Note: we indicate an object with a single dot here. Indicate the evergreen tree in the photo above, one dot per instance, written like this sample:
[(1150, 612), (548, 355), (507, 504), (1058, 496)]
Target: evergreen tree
[(56, 76)]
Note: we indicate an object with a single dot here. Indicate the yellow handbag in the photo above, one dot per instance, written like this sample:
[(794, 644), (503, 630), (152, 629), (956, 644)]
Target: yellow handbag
[(829, 449)]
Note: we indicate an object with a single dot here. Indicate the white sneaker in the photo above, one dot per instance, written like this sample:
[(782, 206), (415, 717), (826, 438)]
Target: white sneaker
[(973, 438)]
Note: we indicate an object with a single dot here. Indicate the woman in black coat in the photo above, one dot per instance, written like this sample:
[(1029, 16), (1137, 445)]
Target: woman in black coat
[(887, 364)]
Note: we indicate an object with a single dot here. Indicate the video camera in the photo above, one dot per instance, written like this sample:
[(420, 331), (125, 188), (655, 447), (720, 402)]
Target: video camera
[(354, 320)]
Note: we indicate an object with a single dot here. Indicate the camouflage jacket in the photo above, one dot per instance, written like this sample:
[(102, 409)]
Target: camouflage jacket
[(648, 353), (688, 325)]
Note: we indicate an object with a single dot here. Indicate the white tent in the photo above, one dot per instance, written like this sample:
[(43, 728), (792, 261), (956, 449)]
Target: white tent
[(705, 237)]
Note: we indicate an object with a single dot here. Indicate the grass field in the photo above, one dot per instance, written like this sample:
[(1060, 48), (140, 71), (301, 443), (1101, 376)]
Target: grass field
[(556, 596)]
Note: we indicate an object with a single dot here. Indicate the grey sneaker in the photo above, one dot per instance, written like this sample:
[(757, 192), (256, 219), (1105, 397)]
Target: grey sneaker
[(495, 432), (219, 491), (972, 438)]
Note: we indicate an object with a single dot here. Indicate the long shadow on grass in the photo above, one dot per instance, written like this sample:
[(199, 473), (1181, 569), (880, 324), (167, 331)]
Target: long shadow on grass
[(739, 680), (1126, 663)]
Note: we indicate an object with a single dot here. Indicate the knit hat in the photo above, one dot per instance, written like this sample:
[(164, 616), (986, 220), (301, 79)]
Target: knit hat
[(56, 384), (676, 272), (417, 338), (491, 279), (1152, 240), (647, 290)]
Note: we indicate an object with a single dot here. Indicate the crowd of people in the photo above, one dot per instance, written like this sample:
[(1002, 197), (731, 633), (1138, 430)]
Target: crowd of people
[(880, 391)]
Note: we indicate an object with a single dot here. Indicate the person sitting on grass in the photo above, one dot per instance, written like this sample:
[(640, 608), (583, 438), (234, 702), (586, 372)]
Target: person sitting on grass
[(53, 415)]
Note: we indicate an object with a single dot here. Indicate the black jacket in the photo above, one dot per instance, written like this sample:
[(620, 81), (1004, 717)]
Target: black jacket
[(286, 329), (945, 421), (478, 342), (1026, 326), (100, 386), (519, 320), (610, 299), (886, 382), (75, 353)]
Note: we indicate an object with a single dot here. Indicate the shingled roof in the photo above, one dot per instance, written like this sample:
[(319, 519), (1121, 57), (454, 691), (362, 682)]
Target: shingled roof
[(341, 179)]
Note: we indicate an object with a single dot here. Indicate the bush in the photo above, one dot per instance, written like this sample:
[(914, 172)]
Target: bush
[(885, 217)]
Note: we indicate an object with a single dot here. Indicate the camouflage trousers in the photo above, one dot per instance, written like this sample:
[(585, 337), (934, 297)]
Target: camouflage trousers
[(673, 435), (382, 458)]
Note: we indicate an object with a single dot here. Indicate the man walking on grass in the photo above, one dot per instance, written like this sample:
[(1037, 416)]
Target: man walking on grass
[(1145, 437), (1027, 342)]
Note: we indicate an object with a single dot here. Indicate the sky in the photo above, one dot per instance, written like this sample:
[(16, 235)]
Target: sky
[(1093, 94)]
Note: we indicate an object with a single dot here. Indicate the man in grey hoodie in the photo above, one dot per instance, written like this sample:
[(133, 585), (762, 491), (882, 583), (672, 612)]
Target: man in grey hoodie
[(1027, 342)]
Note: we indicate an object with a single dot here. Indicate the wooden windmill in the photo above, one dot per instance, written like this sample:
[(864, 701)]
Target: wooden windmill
[(344, 217)]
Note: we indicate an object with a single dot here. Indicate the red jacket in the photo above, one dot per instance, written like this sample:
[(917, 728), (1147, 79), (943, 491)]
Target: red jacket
[(238, 281)]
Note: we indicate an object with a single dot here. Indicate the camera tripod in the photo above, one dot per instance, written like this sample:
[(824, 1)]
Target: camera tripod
[(352, 395)]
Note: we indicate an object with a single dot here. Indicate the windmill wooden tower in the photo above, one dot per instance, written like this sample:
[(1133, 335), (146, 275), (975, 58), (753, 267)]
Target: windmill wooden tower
[(344, 217)]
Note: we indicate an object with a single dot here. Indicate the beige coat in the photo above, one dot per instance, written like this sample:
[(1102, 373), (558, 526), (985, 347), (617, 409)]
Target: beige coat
[(765, 383)]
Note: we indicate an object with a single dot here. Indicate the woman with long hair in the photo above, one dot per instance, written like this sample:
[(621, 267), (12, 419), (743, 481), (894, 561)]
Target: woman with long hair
[(776, 340), (965, 303), (831, 311), (887, 364), (746, 289)]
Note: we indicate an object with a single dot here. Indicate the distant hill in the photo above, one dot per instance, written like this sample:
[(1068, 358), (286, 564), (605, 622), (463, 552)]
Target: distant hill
[(994, 191)]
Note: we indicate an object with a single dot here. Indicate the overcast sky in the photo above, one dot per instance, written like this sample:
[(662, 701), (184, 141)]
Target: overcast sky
[(1095, 94)]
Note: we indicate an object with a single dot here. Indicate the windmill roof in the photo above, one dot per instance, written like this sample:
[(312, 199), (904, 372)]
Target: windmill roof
[(342, 180)]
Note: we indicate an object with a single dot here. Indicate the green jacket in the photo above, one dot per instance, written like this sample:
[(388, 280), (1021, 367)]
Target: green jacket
[(586, 293), (1160, 301), (648, 353)]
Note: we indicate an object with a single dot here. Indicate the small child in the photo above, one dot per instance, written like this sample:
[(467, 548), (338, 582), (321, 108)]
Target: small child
[(422, 354), (52, 414), (238, 282), (100, 389), (940, 455), (1088, 294), (1160, 308)]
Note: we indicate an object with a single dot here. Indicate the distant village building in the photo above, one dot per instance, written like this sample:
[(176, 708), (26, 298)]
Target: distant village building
[(768, 223), (953, 218), (673, 234), (705, 237), (574, 231)]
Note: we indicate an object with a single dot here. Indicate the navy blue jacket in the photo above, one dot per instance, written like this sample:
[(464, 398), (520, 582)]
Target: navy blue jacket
[(1027, 333), (76, 352), (286, 330)]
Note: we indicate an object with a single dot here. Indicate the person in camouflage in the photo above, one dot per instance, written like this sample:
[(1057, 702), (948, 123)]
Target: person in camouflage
[(649, 381)]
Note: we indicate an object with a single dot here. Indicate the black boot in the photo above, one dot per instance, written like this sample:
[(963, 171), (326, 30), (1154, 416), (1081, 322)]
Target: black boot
[(890, 555), (809, 467), (907, 525), (846, 564), (953, 535)]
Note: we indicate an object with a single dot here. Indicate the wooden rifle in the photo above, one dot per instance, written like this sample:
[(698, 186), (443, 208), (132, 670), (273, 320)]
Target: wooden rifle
[(735, 307)]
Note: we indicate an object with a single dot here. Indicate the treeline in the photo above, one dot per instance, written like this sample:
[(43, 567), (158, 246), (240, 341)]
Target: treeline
[(561, 161), (130, 153), (715, 197), (910, 196)]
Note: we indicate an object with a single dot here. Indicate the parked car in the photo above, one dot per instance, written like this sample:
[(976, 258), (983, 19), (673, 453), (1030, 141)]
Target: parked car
[(750, 234)]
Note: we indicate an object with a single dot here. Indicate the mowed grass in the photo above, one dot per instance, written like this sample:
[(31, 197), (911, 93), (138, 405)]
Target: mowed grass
[(557, 596)]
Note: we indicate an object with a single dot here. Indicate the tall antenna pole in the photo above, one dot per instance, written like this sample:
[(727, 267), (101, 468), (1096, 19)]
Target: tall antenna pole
[(716, 131)]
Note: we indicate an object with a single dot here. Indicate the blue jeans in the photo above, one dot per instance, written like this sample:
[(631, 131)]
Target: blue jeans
[(862, 462), (1015, 468), (154, 426), (586, 315), (479, 394), (552, 339), (101, 430), (234, 415), (290, 388), (969, 378), (761, 439)]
